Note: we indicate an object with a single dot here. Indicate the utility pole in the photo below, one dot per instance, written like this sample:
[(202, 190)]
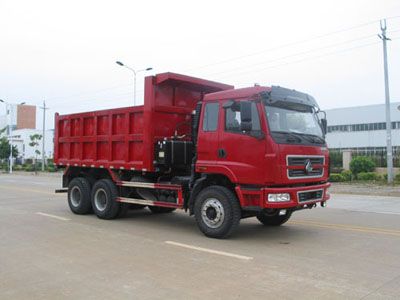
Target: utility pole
[(389, 154), (44, 134), (10, 111)]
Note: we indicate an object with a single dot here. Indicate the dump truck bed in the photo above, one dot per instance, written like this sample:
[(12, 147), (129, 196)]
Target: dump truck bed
[(124, 138)]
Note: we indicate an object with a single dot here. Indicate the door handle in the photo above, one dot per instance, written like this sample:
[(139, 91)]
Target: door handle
[(221, 153)]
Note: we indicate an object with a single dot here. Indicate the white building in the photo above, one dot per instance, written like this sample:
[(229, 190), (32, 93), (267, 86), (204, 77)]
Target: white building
[(362, 127), (21, 139)]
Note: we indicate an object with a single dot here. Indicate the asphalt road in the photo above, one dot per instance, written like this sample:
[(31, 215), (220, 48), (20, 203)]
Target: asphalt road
[(351, 249)]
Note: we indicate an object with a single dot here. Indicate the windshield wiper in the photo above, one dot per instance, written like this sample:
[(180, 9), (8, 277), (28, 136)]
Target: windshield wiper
[(312, 138), (290, 134), (320, 140)]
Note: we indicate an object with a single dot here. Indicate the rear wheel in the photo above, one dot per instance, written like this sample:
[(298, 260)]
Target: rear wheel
[(273, 218), (104, 195), (161, 210), (79, 196), (217, 211)]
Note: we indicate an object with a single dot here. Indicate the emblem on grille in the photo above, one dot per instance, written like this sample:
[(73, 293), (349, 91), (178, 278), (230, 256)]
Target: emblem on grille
[(308, 166)]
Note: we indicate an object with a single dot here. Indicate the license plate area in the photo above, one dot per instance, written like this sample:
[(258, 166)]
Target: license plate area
[(313, 195)]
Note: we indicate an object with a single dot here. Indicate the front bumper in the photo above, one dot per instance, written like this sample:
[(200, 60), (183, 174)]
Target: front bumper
[(252, 198)]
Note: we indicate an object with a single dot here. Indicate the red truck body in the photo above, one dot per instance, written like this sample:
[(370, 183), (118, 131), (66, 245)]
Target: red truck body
[(123, 138), (184, 146)]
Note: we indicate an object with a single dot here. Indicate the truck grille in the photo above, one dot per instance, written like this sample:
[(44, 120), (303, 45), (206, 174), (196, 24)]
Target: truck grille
[(303, 173), (305, 166), (301, 161), (310, 195)]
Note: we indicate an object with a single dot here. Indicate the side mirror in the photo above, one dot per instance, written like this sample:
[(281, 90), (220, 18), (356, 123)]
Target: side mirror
[(324, 124), (245, 116)]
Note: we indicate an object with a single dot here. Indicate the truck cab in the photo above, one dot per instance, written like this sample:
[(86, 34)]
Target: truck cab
[(270, 143)]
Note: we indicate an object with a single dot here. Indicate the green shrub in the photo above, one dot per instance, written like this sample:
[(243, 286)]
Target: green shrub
[(334, 177), (29, 168), (347, 175), (51, 169), (368, 176), (397, 177), (362, 164), (18, 168)]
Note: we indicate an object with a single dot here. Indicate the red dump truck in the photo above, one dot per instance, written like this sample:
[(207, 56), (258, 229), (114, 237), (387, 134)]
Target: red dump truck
[(220, 153)]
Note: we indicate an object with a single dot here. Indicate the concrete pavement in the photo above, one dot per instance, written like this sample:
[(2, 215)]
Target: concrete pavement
[(351, 249)]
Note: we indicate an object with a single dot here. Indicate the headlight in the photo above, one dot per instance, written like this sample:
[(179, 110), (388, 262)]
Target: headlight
[(285, 197)]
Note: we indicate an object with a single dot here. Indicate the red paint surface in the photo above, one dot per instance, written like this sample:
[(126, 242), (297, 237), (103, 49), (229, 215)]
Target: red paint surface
[(125, 137)]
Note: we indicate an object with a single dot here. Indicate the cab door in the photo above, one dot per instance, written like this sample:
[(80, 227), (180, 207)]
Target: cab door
[(208, 133), (241, 146)]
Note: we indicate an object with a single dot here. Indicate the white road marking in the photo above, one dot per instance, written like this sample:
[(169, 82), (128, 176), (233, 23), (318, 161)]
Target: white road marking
[(53, 216), (209, 250)]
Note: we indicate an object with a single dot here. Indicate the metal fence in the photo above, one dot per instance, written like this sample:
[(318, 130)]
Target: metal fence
[(378, 155)]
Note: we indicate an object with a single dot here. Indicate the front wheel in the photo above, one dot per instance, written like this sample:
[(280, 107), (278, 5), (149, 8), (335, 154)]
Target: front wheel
[(217, 211), (273, 218)]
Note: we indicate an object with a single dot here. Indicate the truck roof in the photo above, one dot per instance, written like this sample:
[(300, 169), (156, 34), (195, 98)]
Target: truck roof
[(193, 83), (237, 93)]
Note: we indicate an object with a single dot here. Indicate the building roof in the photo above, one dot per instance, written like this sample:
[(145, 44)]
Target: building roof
[(362, 114)]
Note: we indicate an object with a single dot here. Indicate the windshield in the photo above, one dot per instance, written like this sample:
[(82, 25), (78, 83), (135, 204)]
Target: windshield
[(299, 120)]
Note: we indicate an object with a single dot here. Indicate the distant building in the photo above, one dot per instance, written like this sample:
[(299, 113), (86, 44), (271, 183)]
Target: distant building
[(21, 139), (26, 117), (362, 127), (23, 124), (22, 117)]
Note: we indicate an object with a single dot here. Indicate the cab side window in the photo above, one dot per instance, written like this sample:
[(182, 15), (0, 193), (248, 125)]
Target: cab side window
[(210, 117), (233, 118)]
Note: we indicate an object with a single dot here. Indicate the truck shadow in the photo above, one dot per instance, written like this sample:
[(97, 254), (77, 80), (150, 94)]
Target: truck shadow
[(185, 225)]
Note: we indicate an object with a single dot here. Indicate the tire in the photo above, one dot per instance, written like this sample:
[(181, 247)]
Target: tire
[(104, 194), (79, 196), (161, 210), (217, 212), (273, 219)]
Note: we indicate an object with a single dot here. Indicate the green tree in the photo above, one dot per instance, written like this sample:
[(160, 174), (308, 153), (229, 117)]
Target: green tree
[(35, 138), (5, 149)]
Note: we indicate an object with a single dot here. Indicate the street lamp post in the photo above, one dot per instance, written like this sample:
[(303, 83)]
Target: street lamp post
[(134, 77), (9, 108)]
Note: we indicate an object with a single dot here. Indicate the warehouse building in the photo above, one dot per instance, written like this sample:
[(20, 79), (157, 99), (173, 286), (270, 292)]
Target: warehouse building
[(362, 127)]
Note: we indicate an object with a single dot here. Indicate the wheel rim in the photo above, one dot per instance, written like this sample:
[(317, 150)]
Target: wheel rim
[(212, 213), (100, 199), (76, 196)]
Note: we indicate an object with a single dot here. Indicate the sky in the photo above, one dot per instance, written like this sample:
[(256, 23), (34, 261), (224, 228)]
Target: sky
[(64, 52)]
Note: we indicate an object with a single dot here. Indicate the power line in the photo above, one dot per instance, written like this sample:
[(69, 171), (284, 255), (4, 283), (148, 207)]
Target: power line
[(289, 44), (297, 54), (301, 53), (88, 92), (306, 59), (86, 101)]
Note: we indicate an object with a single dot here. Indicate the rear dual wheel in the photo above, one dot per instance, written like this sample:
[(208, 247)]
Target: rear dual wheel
[(79, 196), (104, 200)]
